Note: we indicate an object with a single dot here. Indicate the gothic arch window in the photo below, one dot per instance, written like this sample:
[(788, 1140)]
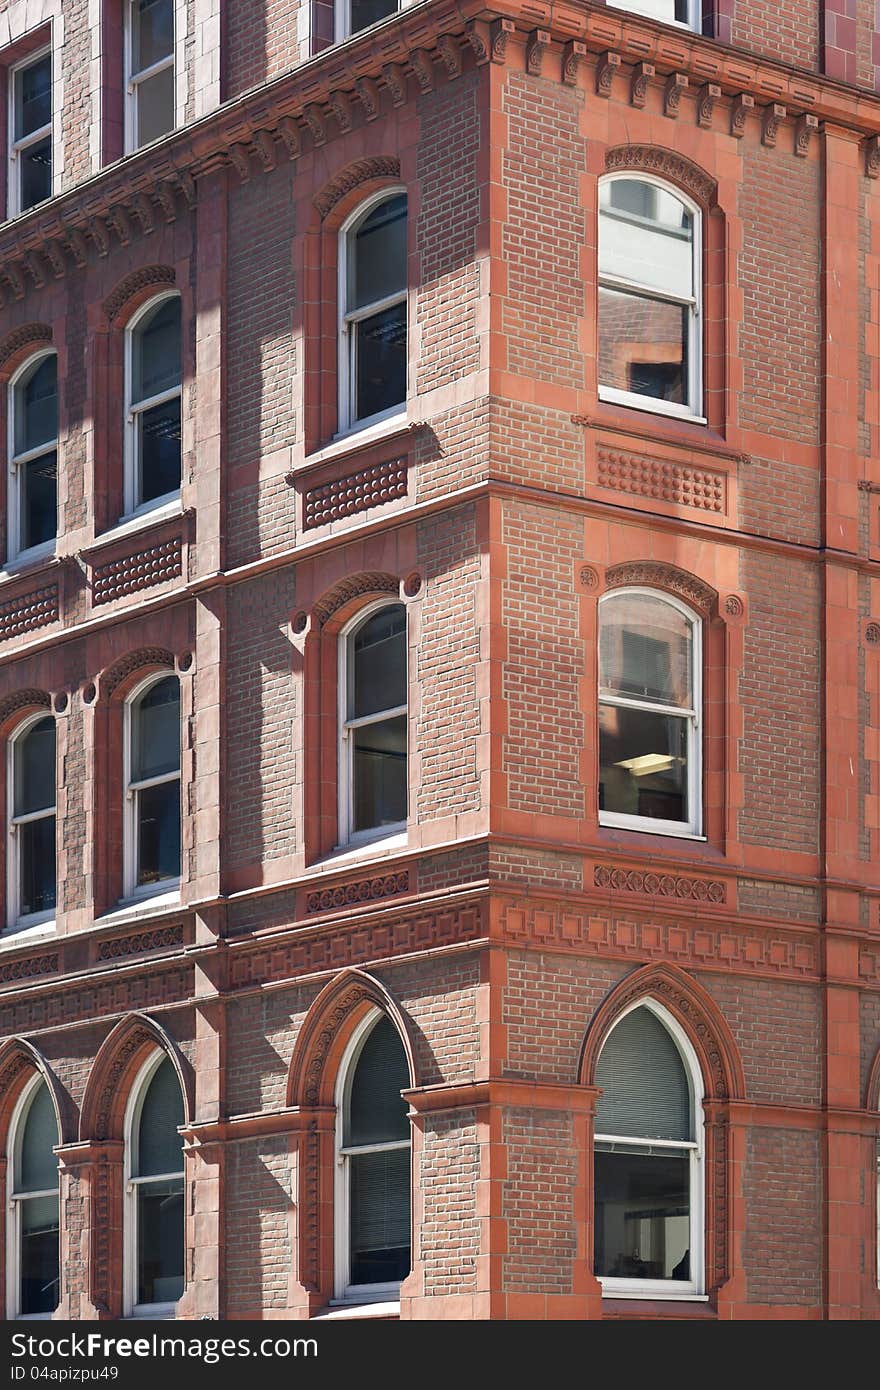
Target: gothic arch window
[(373, 311), (33, 456), (154, 1213), (31, 798), (33, 1209), (152, 846), (153, 405), (374, 1162), (649, 1159), (373, 776)]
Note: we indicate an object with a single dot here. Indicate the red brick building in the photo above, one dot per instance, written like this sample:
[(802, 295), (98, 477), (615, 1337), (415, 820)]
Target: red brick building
[(440, 659)]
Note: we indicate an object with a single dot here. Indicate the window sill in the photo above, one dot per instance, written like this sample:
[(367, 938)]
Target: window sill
[(355, 440), (640, 1306), (135, 522), (27, 931), (150, 905), (353, 854), (634, 825), (339, 1311), (28, 560), (649, 405)]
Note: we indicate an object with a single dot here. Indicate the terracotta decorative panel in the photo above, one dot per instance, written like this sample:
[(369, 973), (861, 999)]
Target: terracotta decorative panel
[(369, 487), (28, 611), (141, 570), (661, 479)]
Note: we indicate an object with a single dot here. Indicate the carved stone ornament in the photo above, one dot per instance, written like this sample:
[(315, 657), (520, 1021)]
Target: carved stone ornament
[(29, 611), (606, 66), (500, 31), (361, 171), (676, 83), (395, 81), (872, 633), (368, 96), (148, 277), (23, 699), (34, 335), (709, 93), (423, 68), (127, 665), (734, 606), (638, 86), (770, 119), (537, 45), (450, 55), (652, 575), (573, 54), (806, 127), (872, 157), (656, 159), (740, 108), (365, 891), (659, 885), (348, 589)]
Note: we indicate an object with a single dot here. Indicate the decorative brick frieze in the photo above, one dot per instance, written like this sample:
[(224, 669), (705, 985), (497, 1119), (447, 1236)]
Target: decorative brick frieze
[(141, 570), (140, 943), (369, 487), (29, 611), (658, 576), (661, 480), (149, 277), (659, 885), (29, 968), (83, 1002), (655, 159), (348, 589), (364, 891)]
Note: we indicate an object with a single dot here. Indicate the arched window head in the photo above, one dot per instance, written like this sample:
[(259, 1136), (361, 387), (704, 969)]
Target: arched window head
[(30, 132), (648, 1159), (650, 336), (152, 823), (374, 1172), (354, 15), (649, 713), (149, 70), (154, 1240), (153, 373), (685, 13), (31, 791), (33, 456), (373, 312), (373, 780), (33, 1205)]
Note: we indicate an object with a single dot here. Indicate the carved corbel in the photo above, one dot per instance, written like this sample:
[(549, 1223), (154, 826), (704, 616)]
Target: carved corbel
[(536, 46), (500, 30), (264, 147), (770, 119), (368, 96), (314, 117), (140, 206), (289, 132), (739, 111), (638, 86), (478, 37), (607, 65), (421, 64), (676, 83), (450, 55), (573, 55), (340, 105), (806, 126), (708, 95), (395, 82), (240, 160)]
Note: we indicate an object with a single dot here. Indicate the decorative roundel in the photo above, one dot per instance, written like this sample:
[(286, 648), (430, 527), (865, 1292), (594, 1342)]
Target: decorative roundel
[(412, 584), (733, 606), (89, 693), (299, 622), (184, 662), (872, 633), (589, 577), (61, 702)]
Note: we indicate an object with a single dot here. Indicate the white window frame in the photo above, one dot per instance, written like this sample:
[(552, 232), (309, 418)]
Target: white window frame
[(345, 1291), (692, 829), (694, 21), (342, 19), (347, 423), (132, 891), (14, 1202), (137, 1096), (134, 79), (694, 1288), (17, 147), (134, 409), (696, 346), (345, 756), (16, 462), (16, 921)]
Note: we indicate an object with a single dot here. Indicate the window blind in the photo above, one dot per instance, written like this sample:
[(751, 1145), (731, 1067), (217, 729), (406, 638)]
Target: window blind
[(377, 1114), (645, 1084), (160, 1147), (39, 1166)]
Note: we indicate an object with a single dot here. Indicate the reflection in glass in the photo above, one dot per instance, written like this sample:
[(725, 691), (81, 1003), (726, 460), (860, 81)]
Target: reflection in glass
[(33, 817), (157, 1172), (35, 1195), (367, 12), (155, 782), (377, 328), (643, 345), (377, 721), (155, 401), (642, 1214), (642, 763)]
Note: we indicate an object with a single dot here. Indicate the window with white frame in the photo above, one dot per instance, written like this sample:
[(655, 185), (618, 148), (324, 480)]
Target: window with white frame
[(649, 713), (374, 1164), (30, 132), (154, 1236), (648, 1161), (650, 287), (152, 821), (32, 513), (373, 311), (153, 391), (686, 13), (354, 15), (31, 785), (149, 70), (373, 724), (32, 1233)]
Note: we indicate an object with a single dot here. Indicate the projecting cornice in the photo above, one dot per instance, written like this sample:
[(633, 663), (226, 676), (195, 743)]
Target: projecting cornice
[(429, 44)]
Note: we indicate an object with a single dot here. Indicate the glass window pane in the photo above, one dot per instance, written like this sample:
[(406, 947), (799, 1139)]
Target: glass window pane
[(33, 97), (37, 865), (380, 778), (36, 407), (35, 168), (643, 763), (643, 346), (156, 731), (155, 106), (38, 500), (159, 1146), (160, 1241), (642, 1216), (152, 33), (647, 1094), (664, 10), (35, 768), (646, 234), (380, 1217), (646, 650), (38, 1171), (159, 440), (158, 832), (379, 345), (379, 661), (377, 264), (156, 351), (39, 1255), (367, 12), (377, 1113)]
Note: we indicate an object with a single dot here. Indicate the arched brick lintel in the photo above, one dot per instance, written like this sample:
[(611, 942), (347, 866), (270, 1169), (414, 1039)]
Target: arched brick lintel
[(134, 290), (360, 174), (120, 675), (119, 1058), (652, 574), (19, 1059), (666, 164)]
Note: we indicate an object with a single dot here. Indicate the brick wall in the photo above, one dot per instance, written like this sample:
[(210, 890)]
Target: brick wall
[(778, 1030), (538, 1201), (548, 1004), (783, 1196), (449, 1235)]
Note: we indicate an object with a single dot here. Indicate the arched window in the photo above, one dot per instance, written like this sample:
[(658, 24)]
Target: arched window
[(649, 1159), (154, 1239), (649, 713), (374, 1171), (33, 1205), (152, 823), (354, 15), (650, 287), (373, 311), (30, 132), (149, 70), (373, 723), (153, 375), (31, 791), (33, 455), (686, 13)]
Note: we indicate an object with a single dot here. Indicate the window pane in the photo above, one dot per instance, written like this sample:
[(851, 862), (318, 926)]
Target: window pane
[(160, 1241), (643, 346), (37, 865), (379, 652), (155, 106), (159, 450), (156, 731), (646, 1090), (380, 1220), (380, 780), (38, 500), (665, 10), (378, 256), (156, 352), (380, 361), (33, 97), (152, 35), (643, 763), (160, 1147), (642, 1216), (645, 650), (38, 1165), (39, 1255), (158, 832), (35, 768), (36, 407), (646, 234), (366, 12), (36, 173), (377, 1113)]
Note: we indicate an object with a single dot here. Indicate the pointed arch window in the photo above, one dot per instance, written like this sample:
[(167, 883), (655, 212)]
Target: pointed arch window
[(153, 393), (31, 792), (33, 1259), (152, 821), (154, 1226), (33, 456)]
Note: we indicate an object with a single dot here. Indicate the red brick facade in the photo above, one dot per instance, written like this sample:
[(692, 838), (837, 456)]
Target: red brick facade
[(508, 930)]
